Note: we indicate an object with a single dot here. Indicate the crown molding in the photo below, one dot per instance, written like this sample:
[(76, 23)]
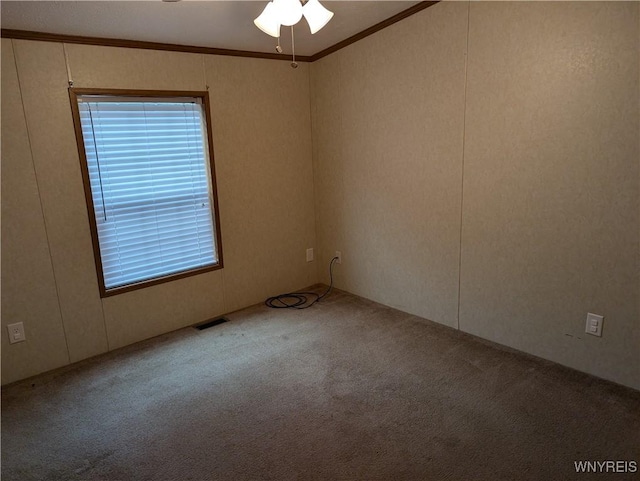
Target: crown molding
[(114, 42), (373, 29)]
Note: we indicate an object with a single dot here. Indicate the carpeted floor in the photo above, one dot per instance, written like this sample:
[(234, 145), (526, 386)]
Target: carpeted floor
[(346, 390)]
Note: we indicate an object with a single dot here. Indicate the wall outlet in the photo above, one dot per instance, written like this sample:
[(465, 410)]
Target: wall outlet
[(310, 254), (16, 332), (339, 256), (594, 324)]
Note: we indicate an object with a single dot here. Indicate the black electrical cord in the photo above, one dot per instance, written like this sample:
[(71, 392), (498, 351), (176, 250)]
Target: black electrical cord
[(299, 300)]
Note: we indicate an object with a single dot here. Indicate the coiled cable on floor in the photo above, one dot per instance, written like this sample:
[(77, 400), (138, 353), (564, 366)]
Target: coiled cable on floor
[(300, 300)]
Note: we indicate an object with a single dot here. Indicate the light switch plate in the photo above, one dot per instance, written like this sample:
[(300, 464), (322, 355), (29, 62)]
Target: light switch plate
[(310, 254), (594, 324)]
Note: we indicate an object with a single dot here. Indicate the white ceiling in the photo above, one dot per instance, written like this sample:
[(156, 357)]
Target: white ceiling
[(217, 24)]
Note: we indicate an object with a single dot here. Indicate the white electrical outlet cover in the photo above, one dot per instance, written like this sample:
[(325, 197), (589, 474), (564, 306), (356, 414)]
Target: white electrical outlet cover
[(16, 332), (594, 324)]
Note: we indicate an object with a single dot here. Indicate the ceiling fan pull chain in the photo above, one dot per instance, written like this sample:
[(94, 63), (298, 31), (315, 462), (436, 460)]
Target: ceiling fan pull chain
[(294, 64)]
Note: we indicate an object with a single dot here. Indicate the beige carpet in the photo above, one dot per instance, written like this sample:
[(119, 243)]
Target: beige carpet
[(346, 390)]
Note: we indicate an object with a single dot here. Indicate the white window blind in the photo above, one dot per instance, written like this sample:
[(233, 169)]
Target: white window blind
[(150, 183)]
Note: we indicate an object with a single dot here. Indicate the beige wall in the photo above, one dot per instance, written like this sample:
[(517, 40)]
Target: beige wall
[(388, 117), (551, 206), (265, 191), (485, 157), (477, 164), (27, 271)]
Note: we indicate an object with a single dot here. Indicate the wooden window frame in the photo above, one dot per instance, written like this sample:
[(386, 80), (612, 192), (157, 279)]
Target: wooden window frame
[(74, 93)]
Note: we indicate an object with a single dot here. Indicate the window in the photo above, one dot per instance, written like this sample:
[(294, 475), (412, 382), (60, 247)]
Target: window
[(147, 162)]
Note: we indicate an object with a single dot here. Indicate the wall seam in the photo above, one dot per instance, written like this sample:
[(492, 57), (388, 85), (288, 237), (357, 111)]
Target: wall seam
[(44, 219), (313, 180), (464, 135), (225, 308), (70, 80)]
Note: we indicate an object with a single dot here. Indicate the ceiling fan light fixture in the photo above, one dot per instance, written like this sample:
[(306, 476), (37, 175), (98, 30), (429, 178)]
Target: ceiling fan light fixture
[(289, 11), (316, 14), (268, 21)]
